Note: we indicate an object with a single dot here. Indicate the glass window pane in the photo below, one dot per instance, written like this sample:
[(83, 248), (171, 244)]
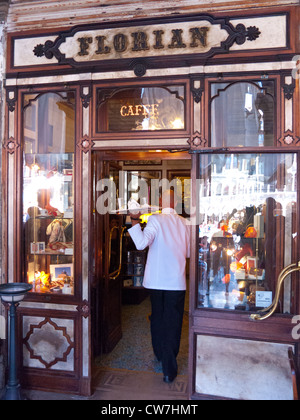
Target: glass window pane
[(248, 229), (141, 109), (48, 192), (242, 114)]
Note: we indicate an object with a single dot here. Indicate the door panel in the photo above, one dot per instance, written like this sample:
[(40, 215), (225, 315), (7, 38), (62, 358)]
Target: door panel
[(106, 292), (246, 235)]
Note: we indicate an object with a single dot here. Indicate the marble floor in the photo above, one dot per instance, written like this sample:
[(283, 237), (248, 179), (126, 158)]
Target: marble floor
[(130, 372)]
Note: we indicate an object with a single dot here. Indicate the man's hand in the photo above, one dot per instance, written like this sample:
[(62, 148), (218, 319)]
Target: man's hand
[(135, 217)]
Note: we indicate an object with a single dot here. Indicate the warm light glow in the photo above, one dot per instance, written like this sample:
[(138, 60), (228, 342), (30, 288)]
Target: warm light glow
[(251, 233), (35, 167), (235, 266), (42, 277), (145, 217), (213, 247), (178, 124), (230, 252), (45, 278)]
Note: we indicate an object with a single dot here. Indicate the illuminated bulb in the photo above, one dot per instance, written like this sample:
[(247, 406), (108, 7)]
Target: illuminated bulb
[(35, 167)]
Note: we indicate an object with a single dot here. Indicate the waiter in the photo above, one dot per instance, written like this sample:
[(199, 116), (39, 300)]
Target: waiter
[(168, 238)]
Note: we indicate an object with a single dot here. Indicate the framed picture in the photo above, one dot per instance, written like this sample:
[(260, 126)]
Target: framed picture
[(60, 271), (251, 263), (37, 247)]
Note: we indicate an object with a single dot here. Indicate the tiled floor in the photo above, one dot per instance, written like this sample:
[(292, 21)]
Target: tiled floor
[(122, 385), (132, 385)]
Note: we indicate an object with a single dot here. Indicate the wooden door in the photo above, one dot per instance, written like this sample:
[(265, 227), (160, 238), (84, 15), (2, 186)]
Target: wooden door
[(247, 209), (106, 285)]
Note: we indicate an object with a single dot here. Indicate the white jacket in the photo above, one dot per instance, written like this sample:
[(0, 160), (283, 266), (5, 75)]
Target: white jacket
[(168, 238)]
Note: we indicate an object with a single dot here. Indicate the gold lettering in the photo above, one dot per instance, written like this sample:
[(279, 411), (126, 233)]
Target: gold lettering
[(130, 111), (146, 110), (138, 110), (154, 108), (123, 111)]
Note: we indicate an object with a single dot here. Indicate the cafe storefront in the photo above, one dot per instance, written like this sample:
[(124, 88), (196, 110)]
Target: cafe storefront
[(214, 96)]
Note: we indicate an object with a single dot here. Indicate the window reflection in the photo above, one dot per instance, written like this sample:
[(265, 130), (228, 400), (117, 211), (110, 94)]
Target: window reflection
[(247, 233), (242, 114), (48, 191)]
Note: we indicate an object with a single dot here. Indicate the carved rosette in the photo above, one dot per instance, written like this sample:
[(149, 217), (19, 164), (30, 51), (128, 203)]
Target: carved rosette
[(11, 145), (84, 309), (86, 145), (289, 139), (197, 141)]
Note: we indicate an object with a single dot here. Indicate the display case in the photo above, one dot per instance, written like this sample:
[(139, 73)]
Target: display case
[(48, 193), (133, 276), (247, 229)]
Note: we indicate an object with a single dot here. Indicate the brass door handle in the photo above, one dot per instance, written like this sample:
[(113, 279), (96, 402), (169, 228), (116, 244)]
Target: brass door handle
[(115, 274), (281, 278)]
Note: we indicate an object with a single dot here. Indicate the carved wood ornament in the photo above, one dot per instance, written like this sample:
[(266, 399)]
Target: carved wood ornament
[(94, 46)]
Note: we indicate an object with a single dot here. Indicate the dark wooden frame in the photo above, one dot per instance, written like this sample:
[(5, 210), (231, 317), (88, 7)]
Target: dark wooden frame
[(48, 379), (144, 134), (77, 199), (234, 324), (39, 378), (244, 78), (202, 321)]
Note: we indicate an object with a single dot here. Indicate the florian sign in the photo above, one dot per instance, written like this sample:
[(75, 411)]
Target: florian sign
[(202, 37), (140, 41), (160, 43)]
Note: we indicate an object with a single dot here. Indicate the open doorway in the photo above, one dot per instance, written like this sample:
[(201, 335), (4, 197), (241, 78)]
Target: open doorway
[(120, 305)]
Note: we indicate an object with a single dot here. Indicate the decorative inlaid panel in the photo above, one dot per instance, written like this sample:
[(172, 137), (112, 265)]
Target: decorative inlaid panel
[(48, 343)]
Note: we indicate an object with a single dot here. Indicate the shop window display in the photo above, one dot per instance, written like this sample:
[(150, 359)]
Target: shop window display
[(247, 229), (48, 192)]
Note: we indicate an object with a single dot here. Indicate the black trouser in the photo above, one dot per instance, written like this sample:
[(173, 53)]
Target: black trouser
[(166, 327)]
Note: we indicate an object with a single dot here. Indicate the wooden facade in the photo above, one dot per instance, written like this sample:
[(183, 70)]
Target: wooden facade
[(35, 14), (50, 67)]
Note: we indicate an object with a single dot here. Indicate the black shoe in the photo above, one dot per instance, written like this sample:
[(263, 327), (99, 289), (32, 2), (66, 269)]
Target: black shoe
[(169, 379)]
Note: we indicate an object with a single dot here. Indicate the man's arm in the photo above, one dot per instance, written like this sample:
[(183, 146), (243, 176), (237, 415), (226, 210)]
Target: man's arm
[(135, 219), (142, 238)]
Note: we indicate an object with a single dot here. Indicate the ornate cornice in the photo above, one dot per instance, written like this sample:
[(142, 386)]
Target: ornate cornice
[(169, 42)]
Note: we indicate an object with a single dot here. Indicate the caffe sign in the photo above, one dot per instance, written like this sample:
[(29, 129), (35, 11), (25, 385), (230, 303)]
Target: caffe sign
[(205, 36)]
